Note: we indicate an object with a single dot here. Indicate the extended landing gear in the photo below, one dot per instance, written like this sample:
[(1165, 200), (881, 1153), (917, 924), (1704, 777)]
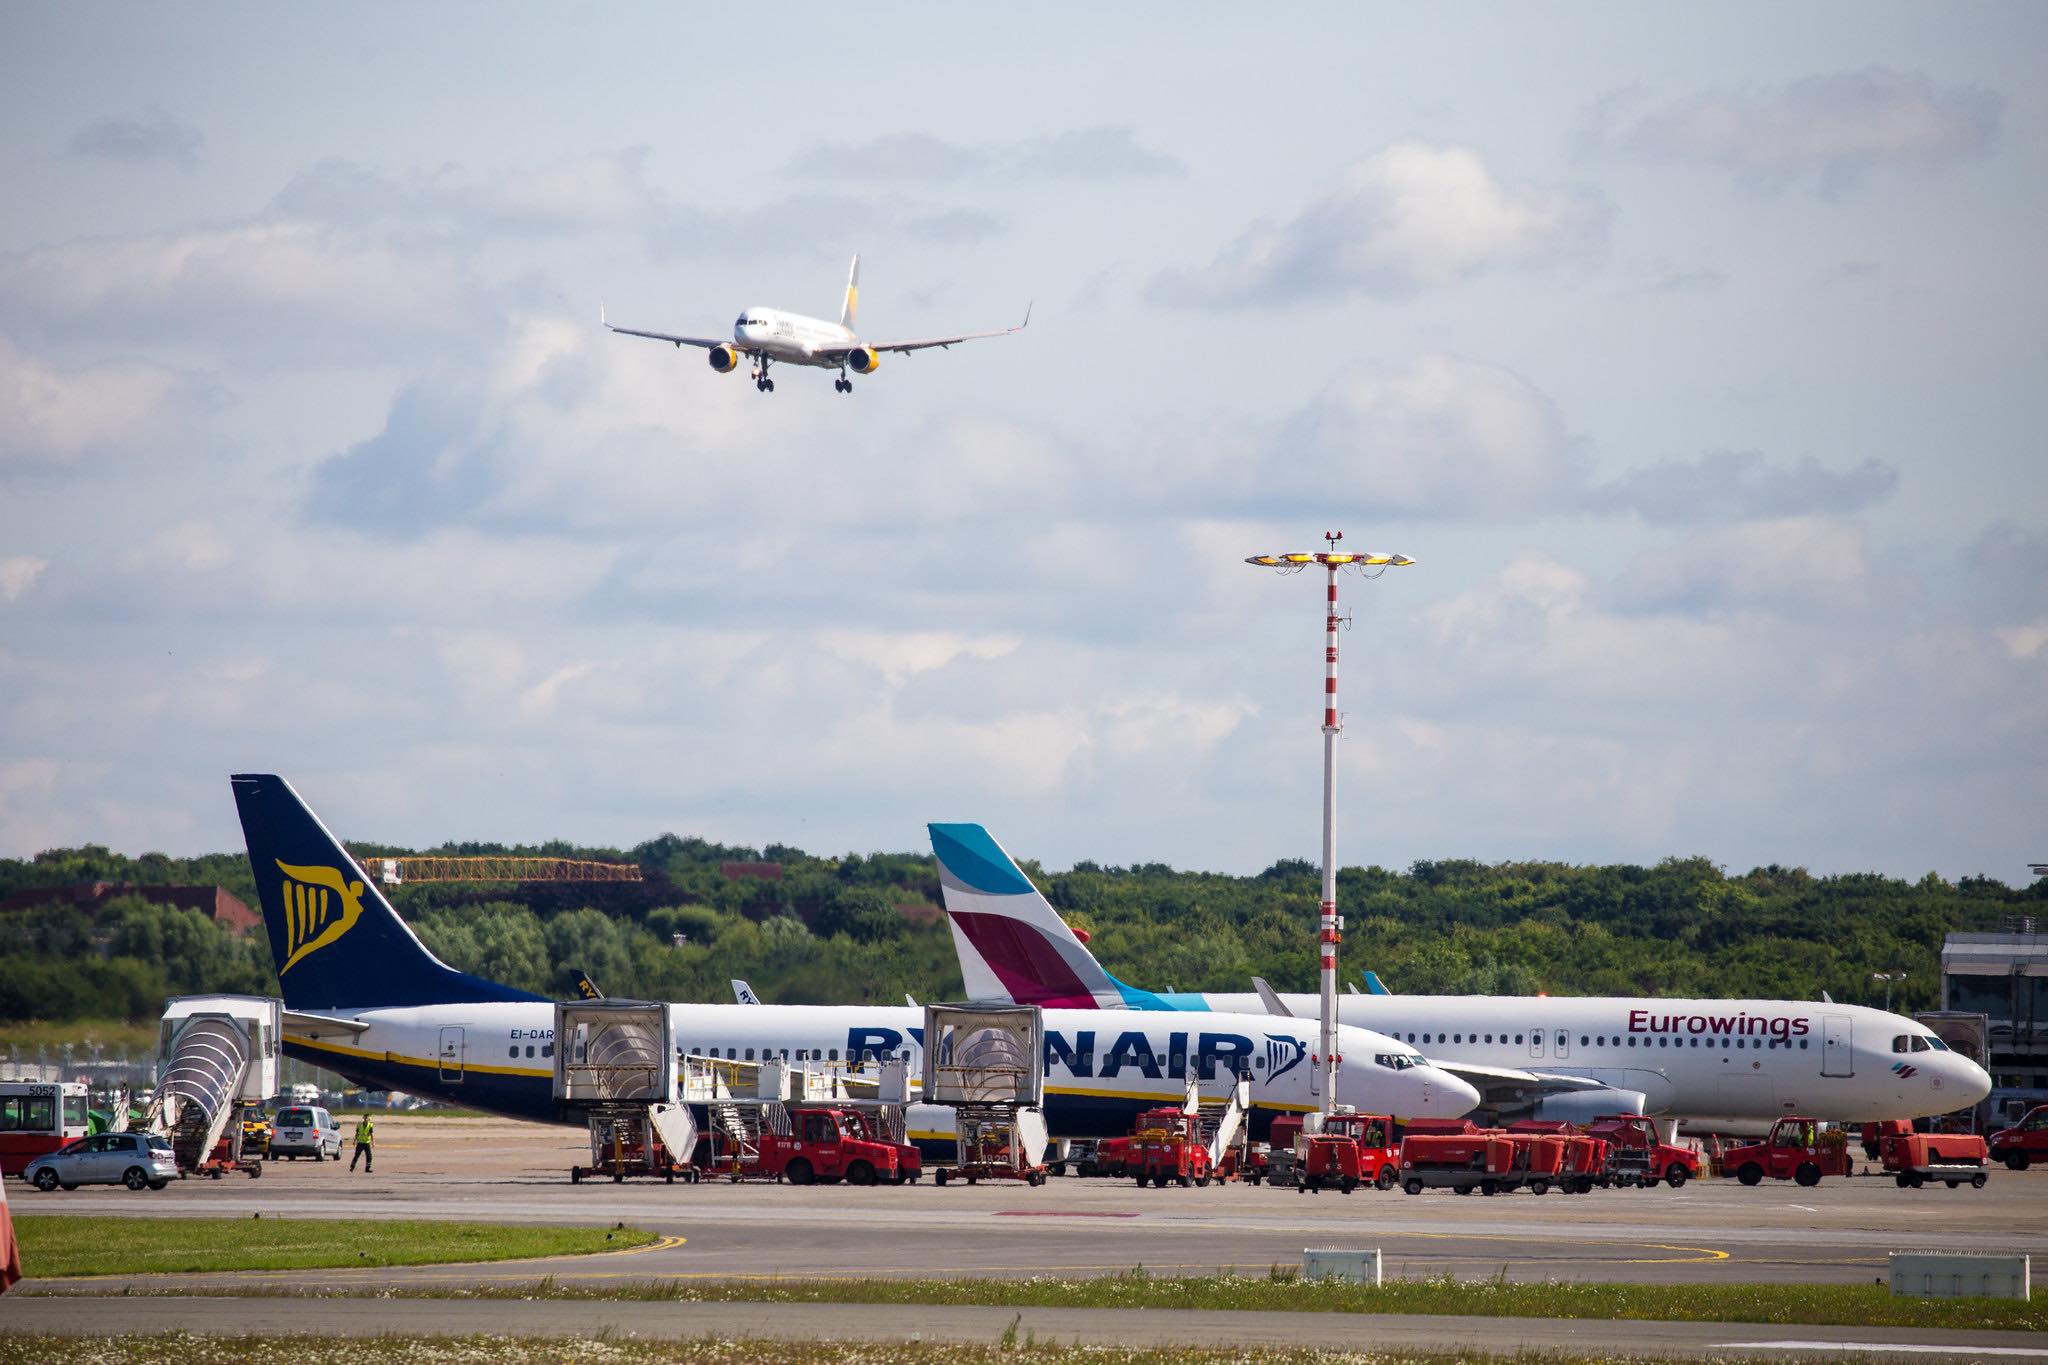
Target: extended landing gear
[(762, 383), (843, 384)]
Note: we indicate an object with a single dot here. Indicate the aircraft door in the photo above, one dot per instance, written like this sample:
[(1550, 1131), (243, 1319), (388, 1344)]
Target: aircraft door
[(1564, 1044), (1837, 1056), (452, 1049), (1536, 1042)]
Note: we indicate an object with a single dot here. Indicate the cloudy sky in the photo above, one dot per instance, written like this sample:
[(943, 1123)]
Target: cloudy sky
[(1698, 356)]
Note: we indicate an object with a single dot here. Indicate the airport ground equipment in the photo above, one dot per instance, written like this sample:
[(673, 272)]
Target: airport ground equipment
[(615, 1065), (2025, 1143), (1798, 1149), (38, 1117), (1374, 1157), (1914, 1159), (1464, 1162), (218, 1061), (803, 1124), (1637, 1156), (1585, 1158), (1166, 1146), (987, 1062), (830, 1144)]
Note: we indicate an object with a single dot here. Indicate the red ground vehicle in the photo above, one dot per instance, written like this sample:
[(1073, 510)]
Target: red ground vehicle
[(1636, 1157), (37, 1118), (1797, 1149), (1874, 1135), (825, 1144), (1916, 1158), (1112, 1157), (1167, 1146), (2024, 1143), (1585, 1161), (1354, 1150), (1483, 1161)]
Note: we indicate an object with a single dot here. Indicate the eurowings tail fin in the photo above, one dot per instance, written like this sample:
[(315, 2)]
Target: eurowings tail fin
[(1012, 944), (1375, 986), (852, 304), (336, 940)]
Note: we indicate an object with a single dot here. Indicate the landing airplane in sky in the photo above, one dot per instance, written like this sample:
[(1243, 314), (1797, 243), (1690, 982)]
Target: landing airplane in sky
[(1562, 1057), (364, 997), (765, 335)]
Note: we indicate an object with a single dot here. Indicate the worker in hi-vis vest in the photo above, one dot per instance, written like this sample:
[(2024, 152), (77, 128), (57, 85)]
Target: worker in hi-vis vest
[(366, 1134)]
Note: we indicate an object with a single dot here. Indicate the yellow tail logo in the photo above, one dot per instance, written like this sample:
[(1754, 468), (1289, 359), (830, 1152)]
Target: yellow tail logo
[(319, 907)]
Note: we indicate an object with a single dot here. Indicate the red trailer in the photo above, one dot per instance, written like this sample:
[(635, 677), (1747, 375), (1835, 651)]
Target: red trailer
[(1916, 1158), (1797, 1149), (1483, 1161)]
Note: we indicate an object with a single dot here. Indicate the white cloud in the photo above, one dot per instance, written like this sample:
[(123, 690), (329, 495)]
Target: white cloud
[(1736, 485), (155, 136), (18, 574), (1413, 216), (54, 416), (2024, 642), (1833, 127), (1098, 153), (1791, 563), (900, 655)]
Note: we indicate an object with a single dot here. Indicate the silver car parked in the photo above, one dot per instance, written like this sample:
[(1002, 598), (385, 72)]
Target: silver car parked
[(132, 1159)]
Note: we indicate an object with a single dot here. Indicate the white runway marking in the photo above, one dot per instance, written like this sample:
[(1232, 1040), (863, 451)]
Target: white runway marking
[(1803, 1208), (1918, 1348)]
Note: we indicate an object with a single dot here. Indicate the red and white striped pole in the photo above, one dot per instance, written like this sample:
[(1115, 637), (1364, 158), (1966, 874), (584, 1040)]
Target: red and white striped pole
[(1330, 934), (1330, 928)]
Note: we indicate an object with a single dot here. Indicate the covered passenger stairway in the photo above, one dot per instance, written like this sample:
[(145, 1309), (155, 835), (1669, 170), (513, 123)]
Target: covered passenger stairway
[(987, 1063), (615, 1065), (219, 1053)]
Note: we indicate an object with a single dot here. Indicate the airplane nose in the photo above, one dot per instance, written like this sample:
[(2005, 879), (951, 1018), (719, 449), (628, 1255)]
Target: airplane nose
[(1437, 1094), (1971, 1082)]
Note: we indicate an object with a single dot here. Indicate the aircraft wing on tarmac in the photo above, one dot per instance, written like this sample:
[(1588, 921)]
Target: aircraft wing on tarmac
[(1507, 1087), (314, 1025)]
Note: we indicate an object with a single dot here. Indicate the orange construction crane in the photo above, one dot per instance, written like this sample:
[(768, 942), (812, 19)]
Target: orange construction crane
[(433, 868)]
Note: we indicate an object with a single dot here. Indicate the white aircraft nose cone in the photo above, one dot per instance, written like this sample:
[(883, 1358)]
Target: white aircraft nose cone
[(1972, 1082)]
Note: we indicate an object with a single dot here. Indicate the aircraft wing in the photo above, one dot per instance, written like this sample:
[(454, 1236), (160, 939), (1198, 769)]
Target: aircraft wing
[(705, 342), (925, 343), (314, 1025), (1505, 1084)]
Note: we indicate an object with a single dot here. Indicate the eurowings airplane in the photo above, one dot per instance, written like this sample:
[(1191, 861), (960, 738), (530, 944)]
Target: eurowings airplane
[(1720, 1062), (363, 997), (763, 336)]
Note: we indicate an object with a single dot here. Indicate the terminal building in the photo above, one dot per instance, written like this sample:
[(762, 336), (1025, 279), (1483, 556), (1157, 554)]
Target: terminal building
[(1994, 1009)]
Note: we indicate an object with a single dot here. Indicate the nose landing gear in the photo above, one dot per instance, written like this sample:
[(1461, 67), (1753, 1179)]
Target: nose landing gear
[(762, 383)]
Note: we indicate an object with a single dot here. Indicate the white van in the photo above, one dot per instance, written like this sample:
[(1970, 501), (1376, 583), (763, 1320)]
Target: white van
[(305, 1092), (305, 1130)]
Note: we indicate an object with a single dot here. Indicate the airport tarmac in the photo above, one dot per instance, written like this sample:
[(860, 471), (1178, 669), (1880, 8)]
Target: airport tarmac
[(500, 1171)]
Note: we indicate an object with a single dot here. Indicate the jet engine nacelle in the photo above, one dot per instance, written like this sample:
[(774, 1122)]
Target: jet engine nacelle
[(862, 360), (1583, 1106), (724, 359)]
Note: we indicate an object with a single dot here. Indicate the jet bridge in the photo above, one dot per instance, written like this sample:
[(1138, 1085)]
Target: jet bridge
[(987, 1063), (615, 1064), (218, 1053)]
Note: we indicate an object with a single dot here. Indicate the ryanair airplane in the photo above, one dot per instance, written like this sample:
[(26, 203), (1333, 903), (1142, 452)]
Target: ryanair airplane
[(364, 998), (765, 335)]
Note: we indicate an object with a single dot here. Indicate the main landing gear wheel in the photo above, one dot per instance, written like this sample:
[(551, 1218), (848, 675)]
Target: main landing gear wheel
[(843, 385)]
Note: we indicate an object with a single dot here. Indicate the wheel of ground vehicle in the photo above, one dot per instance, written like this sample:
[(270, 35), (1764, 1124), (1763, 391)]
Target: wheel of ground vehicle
[(1036, 1178), (1253, 1178), (576, 1176), (1386, 1179), (1185, 1181), (135, 1178), (860, 1173), (1349, 1185), (1201, 1182), (2015, 1161), (1413, 1186), (46, 1180), (1676, 1175), (1539, 1187), (1751, 1174), (799, 1172), (1977, 1180), (158, 1184), (940, 1177), (1955, 1184), (1059, 1168), (1808, 1175), (1489, 1188), (1463, 1189), (1904, 1180), (70, 1184)]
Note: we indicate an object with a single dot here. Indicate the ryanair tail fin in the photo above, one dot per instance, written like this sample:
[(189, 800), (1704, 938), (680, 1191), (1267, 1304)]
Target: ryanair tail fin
[(1012, 944), (337, 942), (852, 304)]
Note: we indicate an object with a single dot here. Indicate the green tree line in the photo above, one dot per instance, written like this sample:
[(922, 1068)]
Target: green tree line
[(830, 930)]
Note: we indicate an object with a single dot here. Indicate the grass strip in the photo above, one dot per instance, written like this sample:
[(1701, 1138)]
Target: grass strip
[(1808, 1305), (186, 1349), (56, 1245)]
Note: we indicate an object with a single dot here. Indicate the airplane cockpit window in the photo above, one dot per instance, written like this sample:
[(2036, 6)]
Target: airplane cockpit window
[(1920, 1044), (1902, 1043), (1937, 1044)]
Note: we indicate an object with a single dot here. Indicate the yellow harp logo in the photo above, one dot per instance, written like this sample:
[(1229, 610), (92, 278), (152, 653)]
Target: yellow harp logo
[(319, 907)]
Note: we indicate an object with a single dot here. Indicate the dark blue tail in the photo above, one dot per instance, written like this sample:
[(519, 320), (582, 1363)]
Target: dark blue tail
[(337, 941)]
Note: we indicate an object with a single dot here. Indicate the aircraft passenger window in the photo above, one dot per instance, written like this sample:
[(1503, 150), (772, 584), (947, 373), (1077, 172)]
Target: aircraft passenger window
[(835, 1055), (1631, 1042), (513, 1051), (1582, 1040), (750, 1054), (547, 1049), (529, 1049), (1489, 1037), (1802, 1045), (1518, 1040), (1695, 1042), (1411, 1037)]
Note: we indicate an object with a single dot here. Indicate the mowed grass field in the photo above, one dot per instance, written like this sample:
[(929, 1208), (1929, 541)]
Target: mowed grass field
[(57, 1246)]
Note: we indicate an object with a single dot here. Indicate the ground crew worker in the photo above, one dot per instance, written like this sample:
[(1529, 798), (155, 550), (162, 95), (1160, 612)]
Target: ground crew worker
[(366, 1133)]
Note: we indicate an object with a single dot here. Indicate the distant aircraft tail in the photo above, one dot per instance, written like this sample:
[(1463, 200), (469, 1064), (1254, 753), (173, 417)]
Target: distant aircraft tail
[(337, 941), (852, 304), (1012, 944)]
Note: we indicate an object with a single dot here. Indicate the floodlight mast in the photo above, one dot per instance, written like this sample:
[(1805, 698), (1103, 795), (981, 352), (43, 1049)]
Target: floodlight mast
[(1330, 925)]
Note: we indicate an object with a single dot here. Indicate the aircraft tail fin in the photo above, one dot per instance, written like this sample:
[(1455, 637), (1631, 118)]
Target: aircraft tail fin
[(1012, 944), (585, 987), (336, 940), (852, 304), (1375, 986), (743, 994)]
